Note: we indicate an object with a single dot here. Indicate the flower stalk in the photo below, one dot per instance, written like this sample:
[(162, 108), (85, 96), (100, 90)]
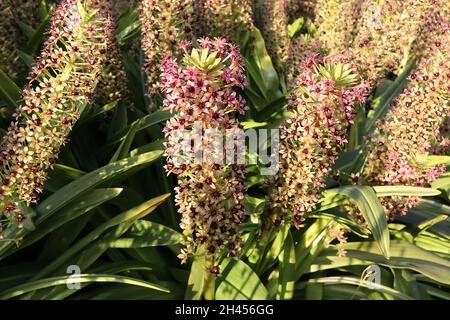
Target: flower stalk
[(321, 107), (225, 18), (210, 193), (59, 85), (398, 148), (165, 24)]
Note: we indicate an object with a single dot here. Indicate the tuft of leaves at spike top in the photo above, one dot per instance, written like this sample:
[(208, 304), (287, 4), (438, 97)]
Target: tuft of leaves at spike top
[(59, 85)]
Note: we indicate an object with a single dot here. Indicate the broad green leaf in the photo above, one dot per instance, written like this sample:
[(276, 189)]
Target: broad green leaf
[(431, 243), (196, 282), (429, 223), (356, 227), (9, 92), (329, 200), (148, 234), (254, 205), (255, 75), (89, 255), (360, 283), (435, 160), (405, 282), (152, 146), (35, 42), (121, 266), (66, 214), (26, 58), (407, 191), (82, 278), (130, 215), (240, 283), (264, 64), (369, 205), (130, 31), (90, 180), (87, 117), (404, 255), (125, 266), (287, 264), (309, 245), (60, 176), (381, 104), (443, 182), (295, 27), (252, 124), (124, 147), (141, 124), (27, 30), (275, 248)]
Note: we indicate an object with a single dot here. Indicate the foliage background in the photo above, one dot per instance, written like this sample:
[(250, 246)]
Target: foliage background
[(108, 207)]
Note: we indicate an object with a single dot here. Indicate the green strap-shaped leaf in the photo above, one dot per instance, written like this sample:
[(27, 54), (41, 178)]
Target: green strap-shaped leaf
[(196, 281), (148, 234), (9, 91), (382, 103), (240, 283), (286, 278), (90, 180), (68, 213), (431, 222), (130, 215), (406, 191), (435, 160), (404, 255), (87, 117), (360, 283), (372, 211), (82, 278), (295, 27), (141, 124), (124, 147)]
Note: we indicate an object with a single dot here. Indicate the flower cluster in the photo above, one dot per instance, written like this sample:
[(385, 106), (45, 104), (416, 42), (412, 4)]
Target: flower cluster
[(398, 147), (11, 37), (390, 31), (274, 29), (336, 231), (321, 107), (60, 83), (225, 18), (442, 144), (337, 23), (209, 195), (299, 49), (112, 85), (296, 8), (165, 24)]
